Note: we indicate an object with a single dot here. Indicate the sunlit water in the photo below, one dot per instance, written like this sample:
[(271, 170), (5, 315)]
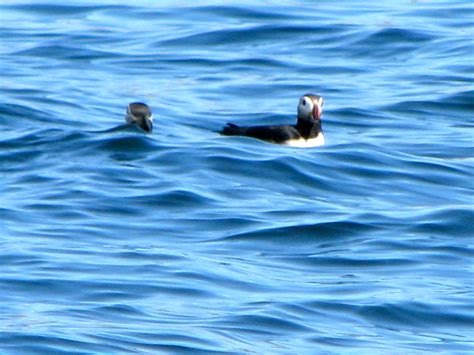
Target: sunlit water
[(187, 241)]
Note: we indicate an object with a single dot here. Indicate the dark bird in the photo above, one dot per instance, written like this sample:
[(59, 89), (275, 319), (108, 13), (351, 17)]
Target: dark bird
[(306, 133), (140, 114)]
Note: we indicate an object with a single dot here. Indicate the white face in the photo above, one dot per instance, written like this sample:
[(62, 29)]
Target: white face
[(305, 107)]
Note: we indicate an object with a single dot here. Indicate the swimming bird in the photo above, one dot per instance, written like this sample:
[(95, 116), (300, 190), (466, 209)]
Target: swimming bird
[(306, 133), (139, 114)]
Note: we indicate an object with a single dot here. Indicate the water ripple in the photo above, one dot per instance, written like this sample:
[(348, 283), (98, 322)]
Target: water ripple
[(185, 241)]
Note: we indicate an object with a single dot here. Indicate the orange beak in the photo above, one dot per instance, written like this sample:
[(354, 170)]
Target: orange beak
[(317, 112)]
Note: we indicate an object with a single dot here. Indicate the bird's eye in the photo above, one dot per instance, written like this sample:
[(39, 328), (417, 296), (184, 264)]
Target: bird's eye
[(304, 102)]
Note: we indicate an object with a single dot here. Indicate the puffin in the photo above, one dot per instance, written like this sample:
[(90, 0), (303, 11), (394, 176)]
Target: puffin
[(306, 133), (140, 114)]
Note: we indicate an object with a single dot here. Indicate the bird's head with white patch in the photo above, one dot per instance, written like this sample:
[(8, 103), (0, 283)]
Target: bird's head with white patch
[(140, 114), (310, 107)]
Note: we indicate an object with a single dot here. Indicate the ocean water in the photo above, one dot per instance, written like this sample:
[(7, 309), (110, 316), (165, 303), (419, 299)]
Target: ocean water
[(185, 241)]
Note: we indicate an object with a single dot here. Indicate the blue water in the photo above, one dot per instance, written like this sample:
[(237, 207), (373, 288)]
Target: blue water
[(186, 241)]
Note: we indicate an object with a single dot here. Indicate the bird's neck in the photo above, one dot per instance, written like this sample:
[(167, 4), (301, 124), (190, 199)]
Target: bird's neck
[(308, 128)]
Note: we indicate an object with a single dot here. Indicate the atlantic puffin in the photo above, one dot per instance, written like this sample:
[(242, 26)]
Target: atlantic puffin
[(139, 114), (306, 133)]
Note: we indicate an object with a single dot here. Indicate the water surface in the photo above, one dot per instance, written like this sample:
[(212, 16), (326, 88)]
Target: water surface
[(185, 241)]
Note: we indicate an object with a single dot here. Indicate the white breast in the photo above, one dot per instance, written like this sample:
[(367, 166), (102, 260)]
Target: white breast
[(307, 143)]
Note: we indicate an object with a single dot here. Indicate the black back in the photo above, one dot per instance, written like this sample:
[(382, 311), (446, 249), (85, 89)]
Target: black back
[(276, 134)]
